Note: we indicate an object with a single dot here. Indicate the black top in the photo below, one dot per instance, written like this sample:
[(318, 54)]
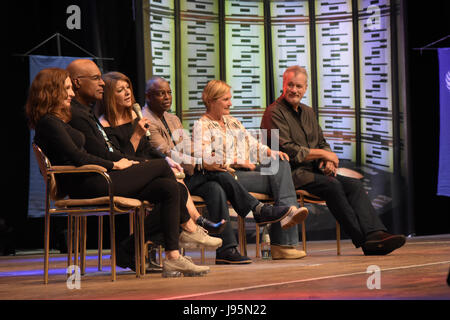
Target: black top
[(84, 120), (64, 145), (120, 136)]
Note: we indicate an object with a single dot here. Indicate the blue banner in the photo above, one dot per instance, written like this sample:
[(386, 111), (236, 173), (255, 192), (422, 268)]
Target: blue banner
[(36, 195), (444, 141)]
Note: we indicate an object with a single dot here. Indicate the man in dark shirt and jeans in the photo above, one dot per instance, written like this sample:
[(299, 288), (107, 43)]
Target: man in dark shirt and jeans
[(314, 167)]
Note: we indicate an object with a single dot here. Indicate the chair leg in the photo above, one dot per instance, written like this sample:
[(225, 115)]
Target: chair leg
[(83, 231), (46, 246), (338, 238), (142, 240), (242, 236), (304, 236), (160, 249), (100, 243), (69, 239), (137, 248), (202, 255), (77, 240), (258, 245), (131, 223), (301, 201), (112, 232)]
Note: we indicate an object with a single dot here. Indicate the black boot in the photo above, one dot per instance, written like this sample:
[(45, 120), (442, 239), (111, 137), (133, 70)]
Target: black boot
[(380, 243)]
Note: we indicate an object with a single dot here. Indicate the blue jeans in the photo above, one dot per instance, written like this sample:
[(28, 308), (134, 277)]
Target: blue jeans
[(280, 186)]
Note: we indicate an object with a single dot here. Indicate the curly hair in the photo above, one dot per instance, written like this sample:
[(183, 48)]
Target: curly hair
[(46, 96)]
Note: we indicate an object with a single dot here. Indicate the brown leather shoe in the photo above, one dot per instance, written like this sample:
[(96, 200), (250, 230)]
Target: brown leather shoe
[(294, 217), (286, 252)]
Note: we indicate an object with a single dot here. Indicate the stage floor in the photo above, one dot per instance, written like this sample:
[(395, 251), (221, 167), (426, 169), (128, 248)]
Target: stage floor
[(416, 271)]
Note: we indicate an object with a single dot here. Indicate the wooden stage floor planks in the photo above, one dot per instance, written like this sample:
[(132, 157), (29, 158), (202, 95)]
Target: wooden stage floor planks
[(416, 271)]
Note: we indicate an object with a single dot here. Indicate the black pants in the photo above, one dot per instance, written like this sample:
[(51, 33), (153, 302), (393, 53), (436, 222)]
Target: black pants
[(216, 188), (349, 204), (153, 181)]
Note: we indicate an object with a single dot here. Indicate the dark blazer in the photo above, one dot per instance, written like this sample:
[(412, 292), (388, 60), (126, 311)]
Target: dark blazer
[(84, 120), (298, 133)]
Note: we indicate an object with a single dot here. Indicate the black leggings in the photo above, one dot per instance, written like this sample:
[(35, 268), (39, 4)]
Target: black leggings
[(153, 181)]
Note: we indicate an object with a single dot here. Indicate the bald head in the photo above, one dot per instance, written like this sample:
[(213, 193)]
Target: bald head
[(87, 81), (153, 81), (80, 66), (158, 95)]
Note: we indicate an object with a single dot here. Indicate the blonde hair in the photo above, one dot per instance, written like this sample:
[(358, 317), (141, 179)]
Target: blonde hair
[(213, 90)]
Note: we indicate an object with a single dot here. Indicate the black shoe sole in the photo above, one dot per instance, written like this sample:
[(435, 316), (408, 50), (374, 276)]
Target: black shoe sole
[(383, 247), (298, 216), (216, 230), (224, 261), (262, 223)]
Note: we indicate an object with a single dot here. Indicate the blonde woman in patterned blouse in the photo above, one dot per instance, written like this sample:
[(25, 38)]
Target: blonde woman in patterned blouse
[(221, 140)]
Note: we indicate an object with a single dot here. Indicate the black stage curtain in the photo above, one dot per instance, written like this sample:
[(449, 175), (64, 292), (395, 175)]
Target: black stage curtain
[(426, 24), (108, 30)]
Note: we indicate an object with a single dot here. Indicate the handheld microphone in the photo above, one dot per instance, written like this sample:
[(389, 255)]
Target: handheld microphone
[(137, 109)]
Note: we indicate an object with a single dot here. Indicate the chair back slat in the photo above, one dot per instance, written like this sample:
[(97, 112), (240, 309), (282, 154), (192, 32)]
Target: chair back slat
[(49, 178)]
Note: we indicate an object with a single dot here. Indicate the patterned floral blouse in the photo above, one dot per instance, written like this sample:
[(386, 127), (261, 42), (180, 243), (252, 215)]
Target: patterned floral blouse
[(231, 144)]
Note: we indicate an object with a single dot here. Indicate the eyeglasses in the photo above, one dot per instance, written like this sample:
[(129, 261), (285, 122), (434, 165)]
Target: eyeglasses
[(95, 77), (161, 93)]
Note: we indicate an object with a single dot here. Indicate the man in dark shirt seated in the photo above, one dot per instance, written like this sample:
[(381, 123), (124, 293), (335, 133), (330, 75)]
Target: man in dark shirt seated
[(314, 167)]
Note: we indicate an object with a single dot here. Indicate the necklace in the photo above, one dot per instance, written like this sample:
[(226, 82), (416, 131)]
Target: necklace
[(221, 122)]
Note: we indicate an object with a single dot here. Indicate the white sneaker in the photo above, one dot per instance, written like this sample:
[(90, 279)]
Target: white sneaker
[(182, 266), (198, 239)]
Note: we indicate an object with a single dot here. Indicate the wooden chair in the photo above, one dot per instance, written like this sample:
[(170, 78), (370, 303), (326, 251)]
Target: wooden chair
[(199, 203), (242, 238), (78, 210), (306, 197), (146, 209)]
